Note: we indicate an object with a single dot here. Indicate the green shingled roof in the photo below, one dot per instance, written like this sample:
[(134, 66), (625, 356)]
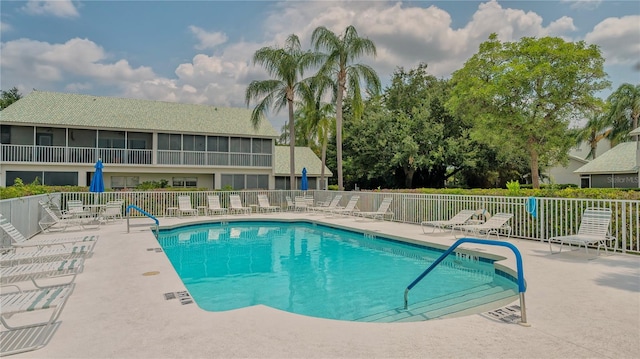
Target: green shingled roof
[(73, 110), (620, 159), (304, 157)]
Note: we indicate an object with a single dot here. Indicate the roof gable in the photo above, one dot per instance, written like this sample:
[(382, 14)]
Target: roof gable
[(304, 157), (620, 159), (74, 110)]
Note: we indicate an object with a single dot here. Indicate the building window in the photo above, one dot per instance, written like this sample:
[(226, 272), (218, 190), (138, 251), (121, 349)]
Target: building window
[(44, 177), (121, 182), (240, 181), (185, 182), (169, 141)]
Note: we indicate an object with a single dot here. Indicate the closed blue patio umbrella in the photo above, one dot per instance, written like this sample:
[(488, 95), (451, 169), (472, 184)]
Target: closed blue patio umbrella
[(97, 182), (304, 183)]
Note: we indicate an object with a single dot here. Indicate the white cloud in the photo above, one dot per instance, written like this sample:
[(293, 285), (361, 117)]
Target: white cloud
[(37, 64), (583, 4), (58, 8), (207, 40), (618, 39), (4, 27)]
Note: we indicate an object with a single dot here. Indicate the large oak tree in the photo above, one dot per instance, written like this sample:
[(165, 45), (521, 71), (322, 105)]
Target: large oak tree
[(521, 96)]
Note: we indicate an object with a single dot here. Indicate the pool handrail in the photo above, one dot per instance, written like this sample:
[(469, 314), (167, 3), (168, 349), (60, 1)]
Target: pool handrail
[(131, 206), (521, 286)]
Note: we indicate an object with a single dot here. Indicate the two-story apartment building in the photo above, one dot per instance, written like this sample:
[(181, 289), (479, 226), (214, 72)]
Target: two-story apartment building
[(58, 137)]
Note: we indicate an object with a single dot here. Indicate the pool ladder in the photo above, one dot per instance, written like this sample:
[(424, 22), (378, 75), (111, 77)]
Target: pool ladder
[(521, 286), (129, 207)]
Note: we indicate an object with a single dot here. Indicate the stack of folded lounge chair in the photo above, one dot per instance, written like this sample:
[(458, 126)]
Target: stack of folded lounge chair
[(37, 277)]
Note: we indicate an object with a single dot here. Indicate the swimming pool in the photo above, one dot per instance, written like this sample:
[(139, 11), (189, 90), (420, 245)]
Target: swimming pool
[(326, 272)]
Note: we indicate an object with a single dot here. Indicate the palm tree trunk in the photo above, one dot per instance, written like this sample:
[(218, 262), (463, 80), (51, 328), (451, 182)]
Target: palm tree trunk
[(292, 147), (339, 134), (323, 156)]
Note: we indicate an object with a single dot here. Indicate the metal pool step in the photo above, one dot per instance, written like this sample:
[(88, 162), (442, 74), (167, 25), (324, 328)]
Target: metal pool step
[(474, 300)]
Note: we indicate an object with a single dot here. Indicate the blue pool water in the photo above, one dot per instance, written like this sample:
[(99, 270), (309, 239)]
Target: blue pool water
[(314, 270)]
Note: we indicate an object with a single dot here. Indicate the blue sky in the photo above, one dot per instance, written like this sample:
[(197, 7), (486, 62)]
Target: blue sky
[(200, 51)]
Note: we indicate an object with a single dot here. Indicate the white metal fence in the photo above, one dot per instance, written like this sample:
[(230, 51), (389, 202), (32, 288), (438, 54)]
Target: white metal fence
[(555, 216)]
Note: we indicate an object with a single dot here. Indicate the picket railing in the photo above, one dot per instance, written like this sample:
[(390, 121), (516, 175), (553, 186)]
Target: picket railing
[(554, 216)]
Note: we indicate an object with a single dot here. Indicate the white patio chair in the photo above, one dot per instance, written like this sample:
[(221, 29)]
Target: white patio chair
[(290, 204), (19, 240), (382, 212), (300, 204), (112, 211), (235, 205), (264, 206), (593, 230), (459, 219), (213, 205), (46, 270), (495, 225), (184, 206)]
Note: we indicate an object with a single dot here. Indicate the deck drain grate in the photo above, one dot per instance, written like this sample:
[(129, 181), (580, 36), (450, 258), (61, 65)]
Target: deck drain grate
[(157, 250), (510, 314), (183, 296)]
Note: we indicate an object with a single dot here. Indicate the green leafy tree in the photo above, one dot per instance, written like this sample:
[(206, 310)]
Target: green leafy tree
[(286, 66), (9, 97), (520, 96), (340, 53), (624, 111)]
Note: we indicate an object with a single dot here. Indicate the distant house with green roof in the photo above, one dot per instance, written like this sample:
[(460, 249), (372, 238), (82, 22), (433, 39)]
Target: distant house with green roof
[(57, 138), (305, 158), (616, 168)]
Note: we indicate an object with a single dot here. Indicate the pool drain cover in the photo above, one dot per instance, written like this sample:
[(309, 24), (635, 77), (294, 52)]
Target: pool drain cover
[(183, 296), (510, 314)]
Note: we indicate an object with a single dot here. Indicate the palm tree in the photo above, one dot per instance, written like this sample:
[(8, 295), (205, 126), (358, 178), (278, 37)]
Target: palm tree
[(624, 111), (597, 128), (315, 120), (337, 63), (286, 66)]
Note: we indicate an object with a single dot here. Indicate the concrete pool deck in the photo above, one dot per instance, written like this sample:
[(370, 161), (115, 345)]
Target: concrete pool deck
[(578, 306)]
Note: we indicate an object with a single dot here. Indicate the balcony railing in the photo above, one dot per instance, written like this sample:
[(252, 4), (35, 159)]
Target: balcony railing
[(62, 154)]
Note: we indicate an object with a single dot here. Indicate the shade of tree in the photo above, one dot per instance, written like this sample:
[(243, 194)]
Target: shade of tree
[(624, 111), (9, 97), (520, 96), (338, 62), (286, 66)]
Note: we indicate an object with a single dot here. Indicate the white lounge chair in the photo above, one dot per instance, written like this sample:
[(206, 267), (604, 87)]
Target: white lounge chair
[(382, 212), (32, 255), (235, 205), (48, 270), (593, 230), (19, 240), (213, 205), (184, 206), (34, 335), (56, 220), (350, 208), (264, 206), (495, 225), (459, 219), (329, 206)]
